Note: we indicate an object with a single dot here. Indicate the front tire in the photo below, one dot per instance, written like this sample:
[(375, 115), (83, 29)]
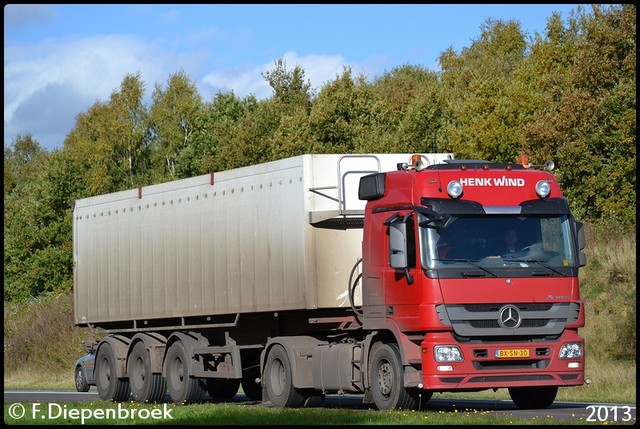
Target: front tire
[(528, 398), (387, 380), (109, 386)]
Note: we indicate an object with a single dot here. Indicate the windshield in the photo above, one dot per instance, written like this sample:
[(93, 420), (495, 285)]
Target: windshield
[(498, 241)]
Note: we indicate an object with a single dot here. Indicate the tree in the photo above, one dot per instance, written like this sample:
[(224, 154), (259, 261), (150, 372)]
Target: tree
[(588, 121), (21, 160), (340, 113), (289, 87), (216, 124), (173, 120), (37, 238), (128, 127), (482, 122)]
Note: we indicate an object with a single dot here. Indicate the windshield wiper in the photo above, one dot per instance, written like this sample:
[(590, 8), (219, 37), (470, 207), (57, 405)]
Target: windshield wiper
[(542, 264), (467, 273)]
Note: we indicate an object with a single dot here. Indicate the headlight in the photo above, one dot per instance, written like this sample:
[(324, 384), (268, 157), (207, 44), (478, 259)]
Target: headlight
[(447, 354), (570, 351), (454, 188), (543, 189)]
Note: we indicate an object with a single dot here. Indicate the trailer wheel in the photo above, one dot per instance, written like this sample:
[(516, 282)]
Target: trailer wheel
[(387, 386), (81, 381), (182, 388), (145, 386), (109, 386), (279, 379), (221, 389), (528, 398)]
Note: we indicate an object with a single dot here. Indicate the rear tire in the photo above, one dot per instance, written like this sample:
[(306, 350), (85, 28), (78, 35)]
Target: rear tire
[(528, 398), (222, 390), (278, 377), (145, 386), (109, 386), (182, 388)]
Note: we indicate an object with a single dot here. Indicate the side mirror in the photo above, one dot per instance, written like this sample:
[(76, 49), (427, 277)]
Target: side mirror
[(398, 245), (398, 258), (582, 243)]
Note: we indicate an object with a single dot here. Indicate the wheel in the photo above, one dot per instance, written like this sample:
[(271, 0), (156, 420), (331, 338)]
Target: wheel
[(145, 386), (182, 388), (251, 389), (279, 379), (387, 381), (420, 397), (222, 390), (250, 373), (81, 380), (109, 386), (528, 398)]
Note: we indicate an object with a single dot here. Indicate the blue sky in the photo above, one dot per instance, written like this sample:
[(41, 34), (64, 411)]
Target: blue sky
[(61, 59)]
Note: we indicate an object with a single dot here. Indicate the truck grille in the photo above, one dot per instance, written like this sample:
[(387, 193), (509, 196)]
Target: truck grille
[(483, 321)]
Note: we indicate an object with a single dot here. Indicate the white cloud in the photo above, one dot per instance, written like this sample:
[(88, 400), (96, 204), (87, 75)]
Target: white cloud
[(47, 85)]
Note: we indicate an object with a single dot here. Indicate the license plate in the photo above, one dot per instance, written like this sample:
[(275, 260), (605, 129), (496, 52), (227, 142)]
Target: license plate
[(512, 353)]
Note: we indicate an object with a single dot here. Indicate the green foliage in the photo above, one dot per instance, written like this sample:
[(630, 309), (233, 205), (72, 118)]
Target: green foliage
[(37, 242), (215, 125), (608, 285), (39, 334), (289, 87), (340, 113), (484, 113), (21, 161), (587, 122), (173, 118)]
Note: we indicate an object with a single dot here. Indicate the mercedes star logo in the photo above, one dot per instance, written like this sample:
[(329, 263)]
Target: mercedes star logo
[(509, 317)]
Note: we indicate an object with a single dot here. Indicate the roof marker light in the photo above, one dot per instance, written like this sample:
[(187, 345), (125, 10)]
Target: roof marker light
[(543, 189), (454, 189)]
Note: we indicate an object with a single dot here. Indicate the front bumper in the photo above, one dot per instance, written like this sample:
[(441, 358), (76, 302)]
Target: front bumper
[(536, 364)]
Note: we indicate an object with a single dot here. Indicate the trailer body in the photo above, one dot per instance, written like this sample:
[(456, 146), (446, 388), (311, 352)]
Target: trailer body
[(252, 239)]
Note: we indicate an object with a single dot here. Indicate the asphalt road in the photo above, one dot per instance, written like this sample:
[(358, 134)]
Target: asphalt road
[(573, 411)]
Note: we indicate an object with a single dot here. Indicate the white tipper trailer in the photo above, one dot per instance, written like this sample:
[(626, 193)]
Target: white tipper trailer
[(193, 279)]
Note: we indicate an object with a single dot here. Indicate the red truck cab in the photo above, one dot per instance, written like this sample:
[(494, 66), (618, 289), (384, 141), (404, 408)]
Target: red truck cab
[(471, 314)]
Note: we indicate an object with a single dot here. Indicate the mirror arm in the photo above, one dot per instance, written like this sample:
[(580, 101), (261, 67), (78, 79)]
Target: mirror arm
[(409, 278)]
